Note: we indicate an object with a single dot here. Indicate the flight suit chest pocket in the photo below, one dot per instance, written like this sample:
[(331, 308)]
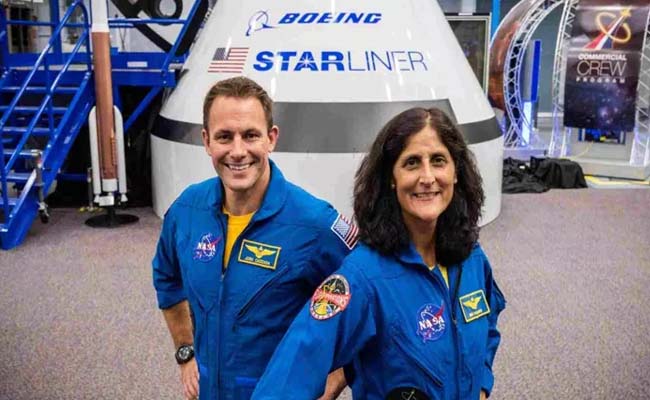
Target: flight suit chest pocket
[(202, 264), (268, 290), (474, 322), (415, 361)]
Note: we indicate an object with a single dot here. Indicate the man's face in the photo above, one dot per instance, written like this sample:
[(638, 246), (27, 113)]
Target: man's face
[(239, 144)]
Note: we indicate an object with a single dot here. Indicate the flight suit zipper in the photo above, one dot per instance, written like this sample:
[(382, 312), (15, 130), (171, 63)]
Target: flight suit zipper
[(451, 301), (456, 335), (219, 385), (224, 228)]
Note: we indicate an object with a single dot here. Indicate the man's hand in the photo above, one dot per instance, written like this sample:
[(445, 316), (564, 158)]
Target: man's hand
[(335, 385), (190, 379), (483, 395), (179, 323)]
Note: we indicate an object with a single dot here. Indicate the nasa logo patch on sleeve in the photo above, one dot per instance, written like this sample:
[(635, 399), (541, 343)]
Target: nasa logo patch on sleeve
[(331, 297)]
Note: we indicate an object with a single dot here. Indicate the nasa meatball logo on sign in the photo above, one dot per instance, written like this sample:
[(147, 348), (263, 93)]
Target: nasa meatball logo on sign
[(431, 322), (330, 298), (206, 248)]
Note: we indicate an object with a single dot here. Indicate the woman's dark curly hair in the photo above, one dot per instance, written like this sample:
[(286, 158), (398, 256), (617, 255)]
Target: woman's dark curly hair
[(377, 210)]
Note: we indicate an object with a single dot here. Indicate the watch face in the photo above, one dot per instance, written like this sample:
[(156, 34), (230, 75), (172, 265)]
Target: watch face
[(184, 352)]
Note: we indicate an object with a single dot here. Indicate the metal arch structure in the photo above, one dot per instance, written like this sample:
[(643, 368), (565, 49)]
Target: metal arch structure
[(560, 137), (640, 154), (512, 73)]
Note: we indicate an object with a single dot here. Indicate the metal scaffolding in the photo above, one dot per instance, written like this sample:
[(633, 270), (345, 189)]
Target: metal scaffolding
[(640, 154), (560, 138), (512, 74)]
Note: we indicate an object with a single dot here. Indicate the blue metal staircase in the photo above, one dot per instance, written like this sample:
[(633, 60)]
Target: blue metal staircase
[(43, 108), (45, 100)]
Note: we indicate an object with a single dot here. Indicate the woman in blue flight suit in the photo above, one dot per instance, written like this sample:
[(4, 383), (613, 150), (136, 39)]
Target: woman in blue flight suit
[(412, 312)]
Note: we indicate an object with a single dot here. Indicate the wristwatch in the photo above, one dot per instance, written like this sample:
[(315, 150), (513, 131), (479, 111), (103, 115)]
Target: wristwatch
[(184, 353)]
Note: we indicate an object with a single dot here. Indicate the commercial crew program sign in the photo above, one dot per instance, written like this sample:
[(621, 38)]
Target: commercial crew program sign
[(603, 62)]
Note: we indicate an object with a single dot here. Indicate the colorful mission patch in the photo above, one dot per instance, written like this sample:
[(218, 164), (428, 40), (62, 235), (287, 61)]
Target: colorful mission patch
[(331, 297), (474, 305), (259, 254), (346, 230)]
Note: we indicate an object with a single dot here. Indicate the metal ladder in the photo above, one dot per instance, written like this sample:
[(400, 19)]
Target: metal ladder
[(43, 108)]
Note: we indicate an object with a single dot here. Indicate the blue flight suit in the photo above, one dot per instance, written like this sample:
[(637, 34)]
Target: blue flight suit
[(399, 325), (292, 243)]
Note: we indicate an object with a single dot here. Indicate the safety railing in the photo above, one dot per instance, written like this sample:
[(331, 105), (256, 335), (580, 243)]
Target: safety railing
[(43, 65), (186, 34), (53, 54)]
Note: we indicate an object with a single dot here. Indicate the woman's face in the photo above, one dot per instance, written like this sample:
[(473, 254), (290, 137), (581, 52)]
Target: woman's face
[(424, 176)]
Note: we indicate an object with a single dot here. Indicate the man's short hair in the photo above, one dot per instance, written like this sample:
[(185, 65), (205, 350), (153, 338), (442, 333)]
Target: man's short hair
[(242, 88)]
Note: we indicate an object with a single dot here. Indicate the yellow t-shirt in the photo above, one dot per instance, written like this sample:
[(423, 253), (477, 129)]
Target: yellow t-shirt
[(236, 225), (443, 271)]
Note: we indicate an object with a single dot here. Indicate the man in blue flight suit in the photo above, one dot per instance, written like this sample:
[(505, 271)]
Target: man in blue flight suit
[(242, 251)]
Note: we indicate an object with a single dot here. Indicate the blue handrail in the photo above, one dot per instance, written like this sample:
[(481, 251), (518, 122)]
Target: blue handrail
[(52, 50), (42, 61), (181, 34), (132, 22), (69, 113), (4, 46), (43, 56), (47, 100)]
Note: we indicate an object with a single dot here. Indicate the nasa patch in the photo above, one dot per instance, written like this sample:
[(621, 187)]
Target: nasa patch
[(331, 297), (206, 248), (431, 322)]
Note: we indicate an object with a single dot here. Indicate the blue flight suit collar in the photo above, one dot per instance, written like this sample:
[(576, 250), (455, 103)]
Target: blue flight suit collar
[(410, 256)]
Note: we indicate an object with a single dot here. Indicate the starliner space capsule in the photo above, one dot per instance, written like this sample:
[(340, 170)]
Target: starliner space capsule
[(337, 71)]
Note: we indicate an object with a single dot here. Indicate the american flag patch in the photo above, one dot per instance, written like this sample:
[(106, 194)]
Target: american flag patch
[(346, 230), (230, 60)]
